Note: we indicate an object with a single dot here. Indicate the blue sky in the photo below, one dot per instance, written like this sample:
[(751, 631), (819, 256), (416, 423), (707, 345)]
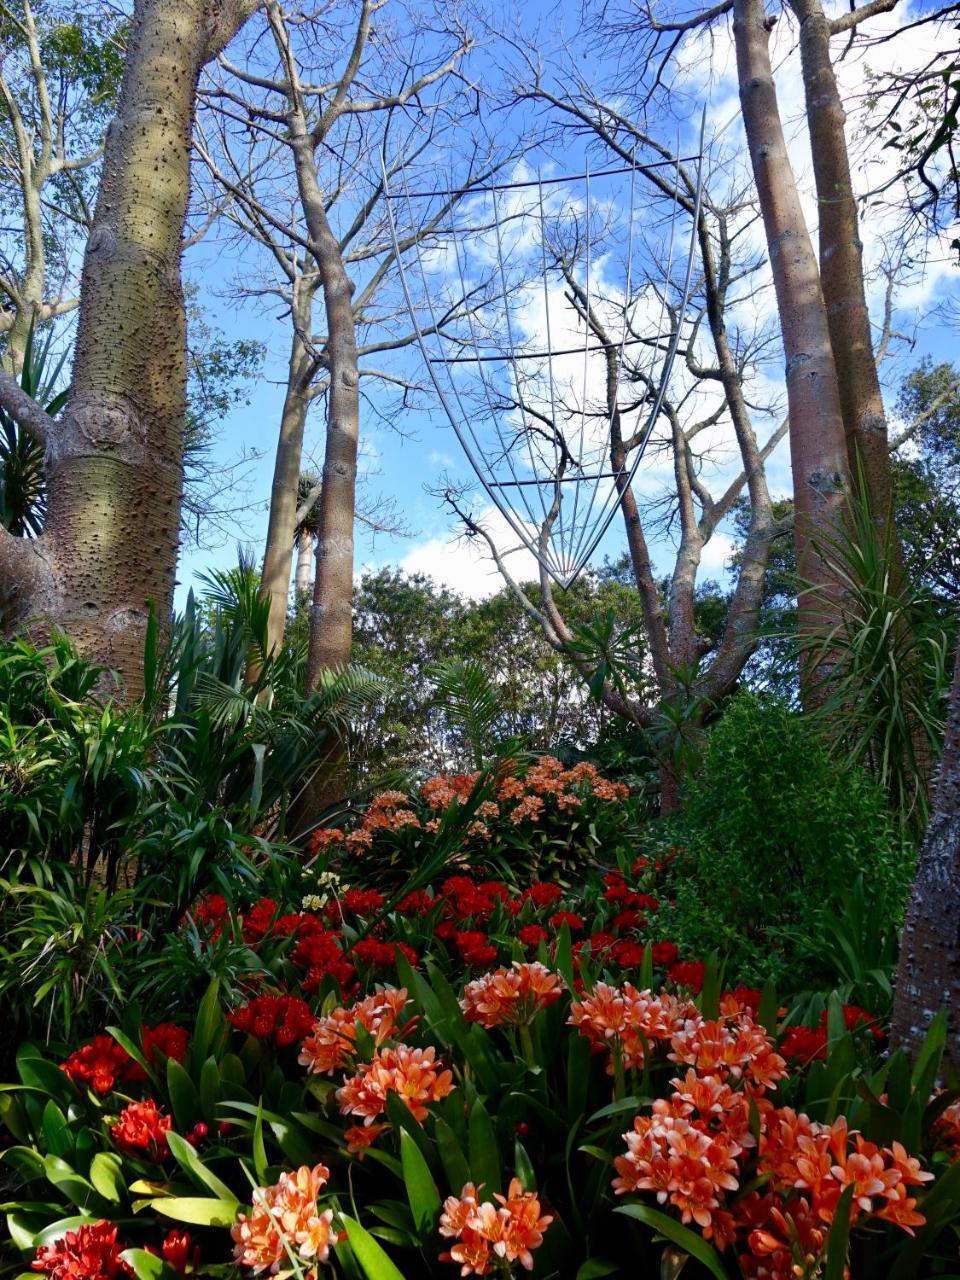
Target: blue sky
[(402, 464)]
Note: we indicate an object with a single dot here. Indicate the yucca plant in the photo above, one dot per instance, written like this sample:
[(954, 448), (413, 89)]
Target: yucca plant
[(23, 492), (883, 668), (239, 732)]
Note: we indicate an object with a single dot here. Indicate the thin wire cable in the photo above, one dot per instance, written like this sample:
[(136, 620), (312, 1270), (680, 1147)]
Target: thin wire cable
[(494, 417), (557, 456)]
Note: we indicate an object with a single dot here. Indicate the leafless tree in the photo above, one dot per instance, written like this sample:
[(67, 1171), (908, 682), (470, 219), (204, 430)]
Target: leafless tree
[(296, 146)]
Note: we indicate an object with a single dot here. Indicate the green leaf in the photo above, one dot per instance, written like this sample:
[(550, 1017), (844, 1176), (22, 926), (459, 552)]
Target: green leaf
[(77, 1188), (38, 1073), (56, 1131), (259, 1150), (484, 1153), (451, 1156), (147, 1266), (125, 1043), (106, 1174), (597, 1267), (710, 993), (769, 1009), (679, 1235), (633, 1104), (209, 1027), (940, 1207), (54, 1230), (199, 1211), (523, 1168), (193, 1166), (839, 1238), (422, 1191), (375, 1263), (183, 1096)]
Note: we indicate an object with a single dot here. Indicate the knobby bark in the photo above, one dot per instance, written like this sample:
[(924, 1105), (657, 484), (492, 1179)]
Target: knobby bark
[(841, 266), (928, 974), (821, 473), (114, 458)]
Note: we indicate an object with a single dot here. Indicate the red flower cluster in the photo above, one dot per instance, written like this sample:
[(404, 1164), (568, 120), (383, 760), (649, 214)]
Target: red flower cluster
[(89, 1253), (142, 1128), (381, 955), (280, 1020), (103, 1063), (808, 1044), (178, 1252)]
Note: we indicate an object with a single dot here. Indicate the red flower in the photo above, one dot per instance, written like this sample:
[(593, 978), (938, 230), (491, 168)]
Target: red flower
[(475, 948), (257, 921), (665, 954), (805, 1044), (142, 1126), (89, 1253), (561, 918), (177, 1253), (531, 935), (627, 920), (416, 903), (688, 974), (101, 1063), (627, 954), (363, 902), (280, 1019), (543, 895), (159, 1043), (210, 912)]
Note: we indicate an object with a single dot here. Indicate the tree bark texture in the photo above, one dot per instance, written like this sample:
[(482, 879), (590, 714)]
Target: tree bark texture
[(304, 563), (841, 266), (114, 459), (331, 615), (821, 474), (282, 526), (928, 975)]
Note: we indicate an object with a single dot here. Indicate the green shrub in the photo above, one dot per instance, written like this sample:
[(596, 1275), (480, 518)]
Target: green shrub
[(773, 833)]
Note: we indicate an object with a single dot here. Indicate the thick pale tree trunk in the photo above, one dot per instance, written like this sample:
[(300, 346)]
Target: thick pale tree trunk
[(928, 976), (821, 474), (304, 563), (841, 265), (114, 459), (331, 615), (282, 526)]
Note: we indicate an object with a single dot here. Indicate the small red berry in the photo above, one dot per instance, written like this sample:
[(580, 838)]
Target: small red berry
[(200, 1130), (225, 1128), (522, 1128)]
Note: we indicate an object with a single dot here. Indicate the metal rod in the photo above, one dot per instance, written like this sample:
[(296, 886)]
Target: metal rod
[(517, 186), (554, 480), (661, 343)]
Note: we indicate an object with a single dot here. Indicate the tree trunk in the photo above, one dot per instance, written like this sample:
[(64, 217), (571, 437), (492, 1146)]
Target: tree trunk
[(331, 616), (114, 460), (928, 975), (281, 530), (821, 475), (841, 266), (304, 563)]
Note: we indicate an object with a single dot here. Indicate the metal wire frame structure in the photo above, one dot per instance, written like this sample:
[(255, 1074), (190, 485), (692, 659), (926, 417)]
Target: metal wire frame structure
[(525, 411)]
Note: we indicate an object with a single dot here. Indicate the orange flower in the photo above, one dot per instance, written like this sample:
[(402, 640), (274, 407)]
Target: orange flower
[(284, 1219), (362, 1136), (410, 1073), (511, 996), (487, 1234), (632, 1019), (332, 1041)]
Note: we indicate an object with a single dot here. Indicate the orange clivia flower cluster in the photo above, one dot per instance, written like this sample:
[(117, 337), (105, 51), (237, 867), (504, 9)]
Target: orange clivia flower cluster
[(689, 1152), (489, 1235), (629, 1022), (412, 1074), (946, 1130), (285, 1219), (511, 996), (332, 1042)]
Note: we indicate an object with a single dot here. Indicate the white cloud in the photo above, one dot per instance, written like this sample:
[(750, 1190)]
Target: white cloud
[(464, 565)]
